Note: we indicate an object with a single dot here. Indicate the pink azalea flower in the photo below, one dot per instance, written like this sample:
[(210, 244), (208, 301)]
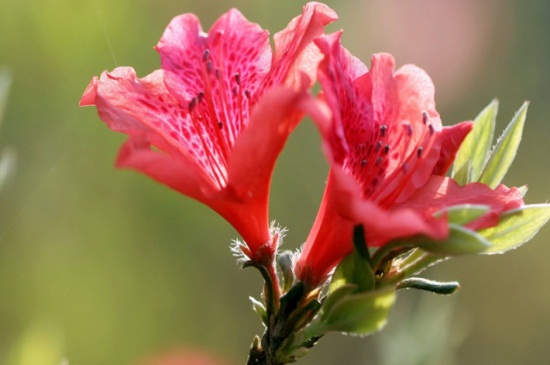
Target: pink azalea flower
[(211, 123), (388, 153)]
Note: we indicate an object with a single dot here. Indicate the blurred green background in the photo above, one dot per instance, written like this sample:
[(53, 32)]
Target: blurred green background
[(103, 267)]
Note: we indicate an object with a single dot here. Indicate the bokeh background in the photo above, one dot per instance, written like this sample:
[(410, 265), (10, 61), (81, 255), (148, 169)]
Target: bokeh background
[(104, 267)]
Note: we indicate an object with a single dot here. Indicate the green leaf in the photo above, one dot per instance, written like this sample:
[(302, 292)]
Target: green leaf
[(353, 269), (461, 241), (336, 295), (516, 227), (464, 213), (360, 314), (285, 265), (435, 287), (259, 308), (505, 150), (474, 150)]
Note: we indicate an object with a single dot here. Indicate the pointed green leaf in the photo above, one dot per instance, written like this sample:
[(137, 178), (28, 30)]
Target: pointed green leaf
[(474, 150), (353, 269), (360, 314), (516, 227), (259, 308), (464, 213), (285, 265), (336, 295), (461, 241), (505, 150), (436, 287)]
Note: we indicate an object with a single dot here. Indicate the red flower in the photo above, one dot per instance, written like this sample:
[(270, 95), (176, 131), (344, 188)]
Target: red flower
[(212, 122), (388, 153)]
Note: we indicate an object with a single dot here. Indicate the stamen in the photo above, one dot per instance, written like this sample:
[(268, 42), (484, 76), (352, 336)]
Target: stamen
[(220, 125), (419, 152), (425, 117), (383, 130), (363, 163), (409, 129), (209, 67), (247, 94), (378, 146), (205, 55), (387, 149), (200, 96), (192, 104), (238, 79), (218, 73), (432, 130), (379, 161)]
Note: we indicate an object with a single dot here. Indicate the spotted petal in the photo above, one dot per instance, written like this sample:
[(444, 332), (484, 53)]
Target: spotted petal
[(387, 149)]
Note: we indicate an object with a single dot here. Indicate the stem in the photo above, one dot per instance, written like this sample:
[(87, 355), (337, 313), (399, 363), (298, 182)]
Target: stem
[(275, 287)]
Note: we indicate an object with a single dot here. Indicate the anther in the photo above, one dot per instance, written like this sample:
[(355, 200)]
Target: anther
[(218, 73), (205, 55), (192, 104), (432, 130), (419, 152), (425, 117), (200, 96), (378, 146), (379, 161), (220, 125), (238, 79), (383, 129), (247, 94), (387, 149), (209, 67), (409, 129), (363, 163)]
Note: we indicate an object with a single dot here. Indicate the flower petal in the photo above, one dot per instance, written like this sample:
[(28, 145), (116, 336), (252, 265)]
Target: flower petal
[(382, 224), (195, 62), (255, 153), (442, 192), (329, 240), (143, 107), (451, 139), (295, 52), (136, 154)]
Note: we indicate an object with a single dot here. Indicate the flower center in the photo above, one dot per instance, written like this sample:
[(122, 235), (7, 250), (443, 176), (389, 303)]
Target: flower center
[(385, 161), (219, 112)]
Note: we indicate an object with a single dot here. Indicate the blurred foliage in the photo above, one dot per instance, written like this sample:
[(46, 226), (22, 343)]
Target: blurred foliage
[(104, 267)]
